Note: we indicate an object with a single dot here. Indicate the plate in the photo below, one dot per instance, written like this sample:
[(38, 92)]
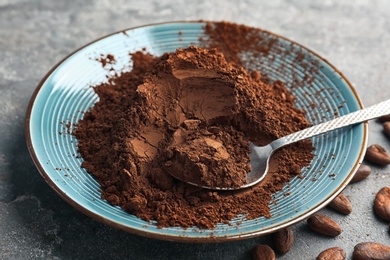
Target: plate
[(64, 93)]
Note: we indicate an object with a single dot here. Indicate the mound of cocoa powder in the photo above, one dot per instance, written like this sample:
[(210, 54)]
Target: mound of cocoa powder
[(193, 113)]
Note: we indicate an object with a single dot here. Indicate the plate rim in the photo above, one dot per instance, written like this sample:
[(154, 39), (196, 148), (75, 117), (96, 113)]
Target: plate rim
[(181, 238)]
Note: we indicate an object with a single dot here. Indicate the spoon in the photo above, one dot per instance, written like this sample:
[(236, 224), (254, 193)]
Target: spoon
[(260, 155)]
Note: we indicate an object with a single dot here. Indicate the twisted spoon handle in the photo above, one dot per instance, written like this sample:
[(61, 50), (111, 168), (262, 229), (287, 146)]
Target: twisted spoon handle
[(359, 116)]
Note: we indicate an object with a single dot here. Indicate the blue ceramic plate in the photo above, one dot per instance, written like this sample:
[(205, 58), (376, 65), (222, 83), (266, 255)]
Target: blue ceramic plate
[(62, 96)]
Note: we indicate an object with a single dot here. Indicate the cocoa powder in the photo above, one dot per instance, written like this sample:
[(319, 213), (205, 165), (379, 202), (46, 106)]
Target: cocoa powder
[(196, 109)]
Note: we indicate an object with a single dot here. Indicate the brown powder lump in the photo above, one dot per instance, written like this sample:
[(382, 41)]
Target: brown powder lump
[(189, 113)]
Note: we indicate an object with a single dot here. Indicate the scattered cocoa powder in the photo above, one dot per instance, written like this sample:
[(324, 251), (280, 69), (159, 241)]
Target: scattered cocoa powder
[(246, 46), (106, 59), (192, 111)]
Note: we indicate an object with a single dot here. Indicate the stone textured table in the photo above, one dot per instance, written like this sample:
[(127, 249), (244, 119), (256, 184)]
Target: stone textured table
[(34, 35)]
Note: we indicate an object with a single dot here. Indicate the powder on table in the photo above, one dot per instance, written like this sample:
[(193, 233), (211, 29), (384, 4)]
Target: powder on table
[(189, 110)]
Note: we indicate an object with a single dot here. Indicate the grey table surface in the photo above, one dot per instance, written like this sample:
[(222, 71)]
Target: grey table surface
[(35, 223)]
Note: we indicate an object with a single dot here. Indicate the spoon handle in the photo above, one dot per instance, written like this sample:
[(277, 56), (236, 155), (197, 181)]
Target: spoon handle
[(378, 110)]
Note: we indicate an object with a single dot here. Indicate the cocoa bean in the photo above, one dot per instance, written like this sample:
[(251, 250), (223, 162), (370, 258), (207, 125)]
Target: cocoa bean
[(333, 253), (362, 173), (324, 225), (388, 228), (386, 128), (341, 204), (382, 203), (283, 240), (377, 154), (263, 252), (384, 118), (371, 250)]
